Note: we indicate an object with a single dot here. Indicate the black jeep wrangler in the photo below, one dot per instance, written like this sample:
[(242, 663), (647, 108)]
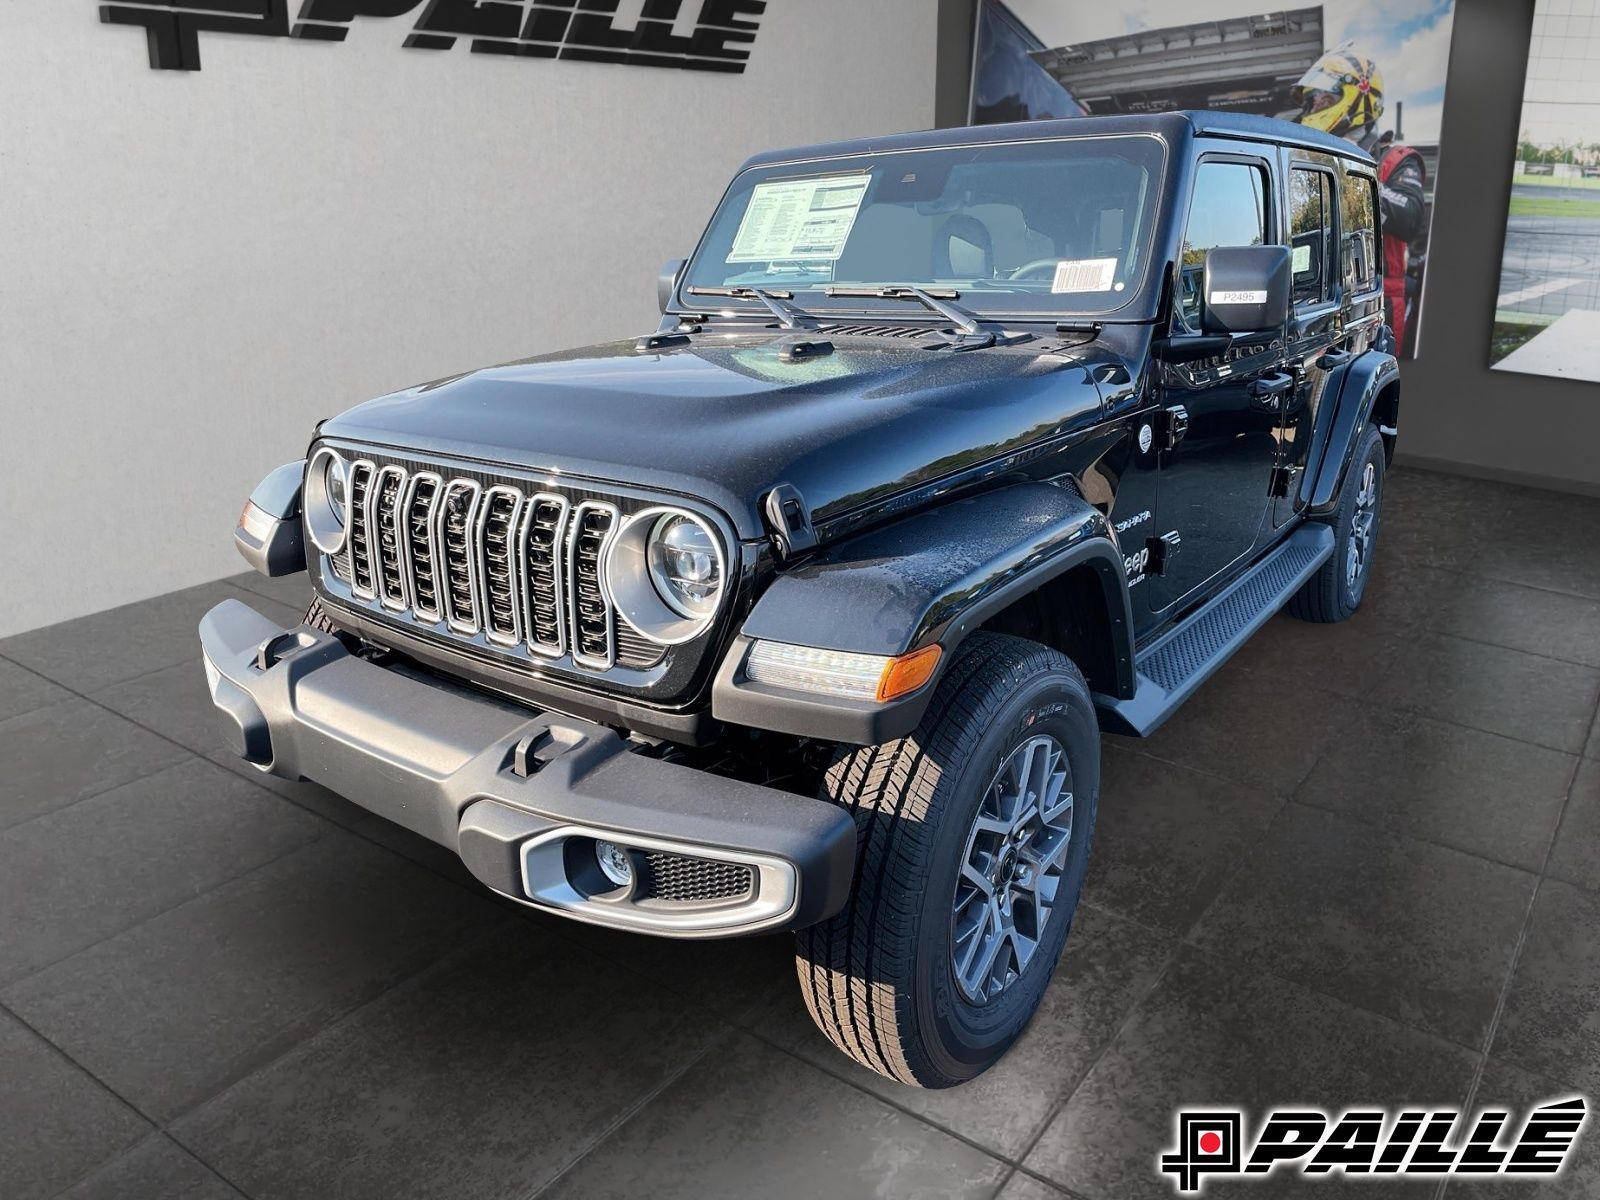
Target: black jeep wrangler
[(805, 611)]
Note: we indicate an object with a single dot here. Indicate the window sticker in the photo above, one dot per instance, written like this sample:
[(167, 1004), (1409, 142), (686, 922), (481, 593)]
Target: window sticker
[(799, 220), (1084, 275), (1302, 259)]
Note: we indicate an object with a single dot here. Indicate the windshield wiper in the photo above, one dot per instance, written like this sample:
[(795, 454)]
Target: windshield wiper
[(964, 319), (789, 316)]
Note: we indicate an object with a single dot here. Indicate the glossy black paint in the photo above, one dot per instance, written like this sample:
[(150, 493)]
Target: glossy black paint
[(893, 442)]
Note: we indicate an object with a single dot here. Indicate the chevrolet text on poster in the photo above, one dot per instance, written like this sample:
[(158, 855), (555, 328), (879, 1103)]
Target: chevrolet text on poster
[(1370, 71)]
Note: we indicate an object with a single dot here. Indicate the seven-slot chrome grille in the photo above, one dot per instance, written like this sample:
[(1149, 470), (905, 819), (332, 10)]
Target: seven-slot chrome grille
[(496, 562)]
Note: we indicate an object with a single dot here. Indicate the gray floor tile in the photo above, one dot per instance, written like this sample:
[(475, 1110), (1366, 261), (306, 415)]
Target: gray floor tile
[(1561, 558), (56, 1123), (76, 876), (291, 590), (156, 1169), (750, 973), (59, 755), (93, 652), (1507, 1086), (23, 691), (174, 702), (1459, 787), (1100, 979), (481, 1079), (1339, 657), (1212, 1035), (173, 1010), (1402, 595), (1551, 1023), (1502, 691), (1553, 624), (1253, 729), (1576, 857), (1026, 1187), (1166, 837), (1405, 928), (1592, 749), (750, 1121)]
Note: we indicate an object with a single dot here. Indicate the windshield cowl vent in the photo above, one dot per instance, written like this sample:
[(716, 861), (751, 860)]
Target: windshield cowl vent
[(890, 331)]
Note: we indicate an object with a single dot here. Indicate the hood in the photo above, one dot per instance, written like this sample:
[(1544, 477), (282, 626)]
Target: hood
[(724, 419)]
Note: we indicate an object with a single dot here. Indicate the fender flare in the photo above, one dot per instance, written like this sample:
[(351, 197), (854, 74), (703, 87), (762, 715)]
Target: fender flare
[(931, 578), (1353, 392)]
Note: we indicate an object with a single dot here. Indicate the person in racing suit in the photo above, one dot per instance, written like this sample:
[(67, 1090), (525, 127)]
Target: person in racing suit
[(1342, 94)]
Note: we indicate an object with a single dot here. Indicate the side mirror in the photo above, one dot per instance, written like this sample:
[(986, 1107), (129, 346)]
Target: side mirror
[(668, 282), (1246, 290)]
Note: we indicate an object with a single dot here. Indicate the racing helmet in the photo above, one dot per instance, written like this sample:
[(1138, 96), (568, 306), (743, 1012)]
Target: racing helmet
[(1342, 93)]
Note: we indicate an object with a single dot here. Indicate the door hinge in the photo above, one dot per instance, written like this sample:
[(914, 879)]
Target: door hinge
[(1171, 424), (1162, 551), (1283, 481), (789, 520)]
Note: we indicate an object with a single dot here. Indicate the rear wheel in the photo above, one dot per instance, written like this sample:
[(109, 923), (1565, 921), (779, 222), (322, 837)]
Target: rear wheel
[(1335, 591), (973, 840)]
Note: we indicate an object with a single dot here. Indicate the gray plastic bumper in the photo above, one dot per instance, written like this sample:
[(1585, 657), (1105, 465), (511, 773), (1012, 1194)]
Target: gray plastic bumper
[(523, 795)]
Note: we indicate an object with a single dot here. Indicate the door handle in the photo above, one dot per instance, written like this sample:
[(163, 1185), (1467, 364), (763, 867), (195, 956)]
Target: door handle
[(1268, 391), (1334, 358)]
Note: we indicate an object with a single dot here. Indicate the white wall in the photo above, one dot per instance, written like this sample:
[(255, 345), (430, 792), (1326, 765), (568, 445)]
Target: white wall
[(199, 266)]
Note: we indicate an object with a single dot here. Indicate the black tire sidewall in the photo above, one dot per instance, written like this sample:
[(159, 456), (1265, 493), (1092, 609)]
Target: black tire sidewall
[(1370, 451), (960, 1037)]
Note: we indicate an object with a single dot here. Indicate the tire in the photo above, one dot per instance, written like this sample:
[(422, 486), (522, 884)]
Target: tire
[(880, 978), (1334, 593), (317, 618)]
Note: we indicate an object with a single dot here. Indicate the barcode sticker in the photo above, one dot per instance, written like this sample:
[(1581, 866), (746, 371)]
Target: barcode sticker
[(1084, 275)]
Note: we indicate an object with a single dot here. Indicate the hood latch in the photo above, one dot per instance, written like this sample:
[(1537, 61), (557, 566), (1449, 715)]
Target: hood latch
[(789, 520)]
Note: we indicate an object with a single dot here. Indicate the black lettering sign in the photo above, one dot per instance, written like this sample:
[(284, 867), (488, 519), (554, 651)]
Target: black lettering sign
[(584, 30)]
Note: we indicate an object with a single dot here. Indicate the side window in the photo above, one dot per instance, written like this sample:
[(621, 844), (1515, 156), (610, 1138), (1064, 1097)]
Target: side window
[(1361, 232), (1229, 209), (1311, 233)]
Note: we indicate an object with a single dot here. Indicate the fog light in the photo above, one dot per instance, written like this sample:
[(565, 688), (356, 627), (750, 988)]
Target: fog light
[(614, 863)]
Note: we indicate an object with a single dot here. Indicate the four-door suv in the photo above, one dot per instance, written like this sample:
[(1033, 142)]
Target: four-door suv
[(805, 612)]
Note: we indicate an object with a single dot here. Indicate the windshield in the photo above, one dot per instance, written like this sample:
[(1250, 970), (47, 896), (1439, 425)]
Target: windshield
[(1032, 228)]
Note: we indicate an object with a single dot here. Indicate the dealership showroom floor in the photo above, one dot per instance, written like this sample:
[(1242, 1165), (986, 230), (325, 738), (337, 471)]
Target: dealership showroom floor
[(1363, 864)]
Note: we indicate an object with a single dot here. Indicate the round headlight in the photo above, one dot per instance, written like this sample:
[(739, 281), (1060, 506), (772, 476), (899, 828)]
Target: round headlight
[(685, 566), (666, 574), (327, 500)]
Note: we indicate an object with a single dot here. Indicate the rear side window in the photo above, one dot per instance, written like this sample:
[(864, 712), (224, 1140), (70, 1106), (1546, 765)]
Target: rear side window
[(1229, 209), (1361, 232), (1311, 233)]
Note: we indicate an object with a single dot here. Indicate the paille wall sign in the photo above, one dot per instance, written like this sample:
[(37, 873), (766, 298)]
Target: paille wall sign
[(585, 30)]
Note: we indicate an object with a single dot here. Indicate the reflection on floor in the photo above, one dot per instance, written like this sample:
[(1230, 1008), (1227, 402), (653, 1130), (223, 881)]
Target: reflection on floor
[(1362, 866)]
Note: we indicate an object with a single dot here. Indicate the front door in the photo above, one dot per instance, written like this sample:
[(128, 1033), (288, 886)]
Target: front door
[(1221, 415)]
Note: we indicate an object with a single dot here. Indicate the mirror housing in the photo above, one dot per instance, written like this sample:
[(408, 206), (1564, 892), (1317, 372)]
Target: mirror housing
[(667, 283), (1246, 290)]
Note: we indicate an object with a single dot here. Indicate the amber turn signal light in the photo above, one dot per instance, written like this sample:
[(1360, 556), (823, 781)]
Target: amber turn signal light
[(907, 673)]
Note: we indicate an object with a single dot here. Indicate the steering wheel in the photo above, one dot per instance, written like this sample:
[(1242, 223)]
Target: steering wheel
[(1037, 264)]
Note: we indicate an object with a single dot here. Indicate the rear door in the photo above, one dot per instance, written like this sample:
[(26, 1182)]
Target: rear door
[(1316, 336)]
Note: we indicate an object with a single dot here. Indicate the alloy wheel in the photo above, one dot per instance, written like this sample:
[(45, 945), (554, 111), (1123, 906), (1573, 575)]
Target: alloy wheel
[(1011, 869)]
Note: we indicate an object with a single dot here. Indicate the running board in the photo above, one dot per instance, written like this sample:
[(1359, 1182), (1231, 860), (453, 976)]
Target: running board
[(1170, 669)]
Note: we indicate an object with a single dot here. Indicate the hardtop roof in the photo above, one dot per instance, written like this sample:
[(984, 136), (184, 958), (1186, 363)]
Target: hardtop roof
[(1169, 125)]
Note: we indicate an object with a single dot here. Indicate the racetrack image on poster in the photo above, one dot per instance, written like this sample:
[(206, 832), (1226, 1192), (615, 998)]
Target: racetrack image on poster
[(1370, 71), (1547, 315)]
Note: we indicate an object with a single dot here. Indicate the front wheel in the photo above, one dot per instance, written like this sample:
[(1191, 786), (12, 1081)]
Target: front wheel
[(973, 841)]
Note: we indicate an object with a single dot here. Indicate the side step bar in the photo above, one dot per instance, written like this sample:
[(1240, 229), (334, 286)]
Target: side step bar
[(1171, 668)]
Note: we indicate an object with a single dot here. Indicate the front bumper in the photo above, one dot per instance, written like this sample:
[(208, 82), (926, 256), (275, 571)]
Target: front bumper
[(522, 795)]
